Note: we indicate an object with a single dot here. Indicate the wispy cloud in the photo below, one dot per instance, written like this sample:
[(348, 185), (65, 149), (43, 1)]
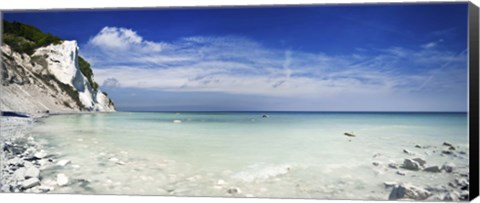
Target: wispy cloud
[(432, 44), (238, 65)]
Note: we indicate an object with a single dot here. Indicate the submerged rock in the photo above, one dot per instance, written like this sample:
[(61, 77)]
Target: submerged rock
[(401, 173), (406, 191), (410, 164), (433, 169), (350, 134), (393, 165), (447, 144)]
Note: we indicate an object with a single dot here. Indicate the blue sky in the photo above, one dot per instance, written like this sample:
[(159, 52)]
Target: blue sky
[(404, 57)]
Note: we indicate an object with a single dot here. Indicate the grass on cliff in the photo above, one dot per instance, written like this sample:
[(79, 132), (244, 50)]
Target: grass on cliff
[(25, 38)]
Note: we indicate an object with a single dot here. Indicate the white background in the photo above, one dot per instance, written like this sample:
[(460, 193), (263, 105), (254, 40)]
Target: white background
[(46, 4)]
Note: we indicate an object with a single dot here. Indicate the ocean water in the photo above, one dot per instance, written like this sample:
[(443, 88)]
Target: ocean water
[(293, 155)]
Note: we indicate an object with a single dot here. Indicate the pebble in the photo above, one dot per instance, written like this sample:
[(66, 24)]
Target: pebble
[(234, 190)]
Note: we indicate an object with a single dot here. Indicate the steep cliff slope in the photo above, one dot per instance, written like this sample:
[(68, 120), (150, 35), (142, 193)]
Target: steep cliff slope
[(48, 78)]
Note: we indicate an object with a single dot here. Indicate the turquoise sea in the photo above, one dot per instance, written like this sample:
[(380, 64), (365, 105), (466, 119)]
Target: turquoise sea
[(286, 154)]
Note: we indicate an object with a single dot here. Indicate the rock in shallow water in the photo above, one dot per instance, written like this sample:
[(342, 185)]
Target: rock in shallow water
[(40, 155), (448, 167), (410, 164), (393, 165), (63, 162), (389, 184), (433, 169), (406, 191), (62, 179), (234, 190), (421, 161)]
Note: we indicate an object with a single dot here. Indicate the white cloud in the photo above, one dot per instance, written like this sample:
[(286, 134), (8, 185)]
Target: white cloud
[(122, 39), (242, 66)]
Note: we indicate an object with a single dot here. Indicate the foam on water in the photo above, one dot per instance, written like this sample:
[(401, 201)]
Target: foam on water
[(302, 155)]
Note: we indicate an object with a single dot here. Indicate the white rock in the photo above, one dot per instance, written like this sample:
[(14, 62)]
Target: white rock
[(30, 183), (177, 121), (32, 172), (62, 179), (221, 182), (406, 191), (40, 155), (63, 162)]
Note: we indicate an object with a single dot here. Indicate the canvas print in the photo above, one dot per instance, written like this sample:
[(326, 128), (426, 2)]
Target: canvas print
[(362, 102)]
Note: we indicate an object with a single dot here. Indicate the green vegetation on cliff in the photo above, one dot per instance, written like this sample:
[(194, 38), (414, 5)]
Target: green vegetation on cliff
[(25, 38)]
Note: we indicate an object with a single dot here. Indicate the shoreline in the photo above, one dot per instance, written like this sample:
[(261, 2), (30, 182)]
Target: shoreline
[(24, 160)]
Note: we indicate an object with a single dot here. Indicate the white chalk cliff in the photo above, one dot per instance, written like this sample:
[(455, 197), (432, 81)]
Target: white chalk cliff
[(50, 80)]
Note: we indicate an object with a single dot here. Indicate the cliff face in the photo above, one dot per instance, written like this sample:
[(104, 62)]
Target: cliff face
[(50, 80)]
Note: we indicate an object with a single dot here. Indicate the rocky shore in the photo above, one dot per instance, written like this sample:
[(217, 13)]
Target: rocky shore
[(23, 159), (414, 165)]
